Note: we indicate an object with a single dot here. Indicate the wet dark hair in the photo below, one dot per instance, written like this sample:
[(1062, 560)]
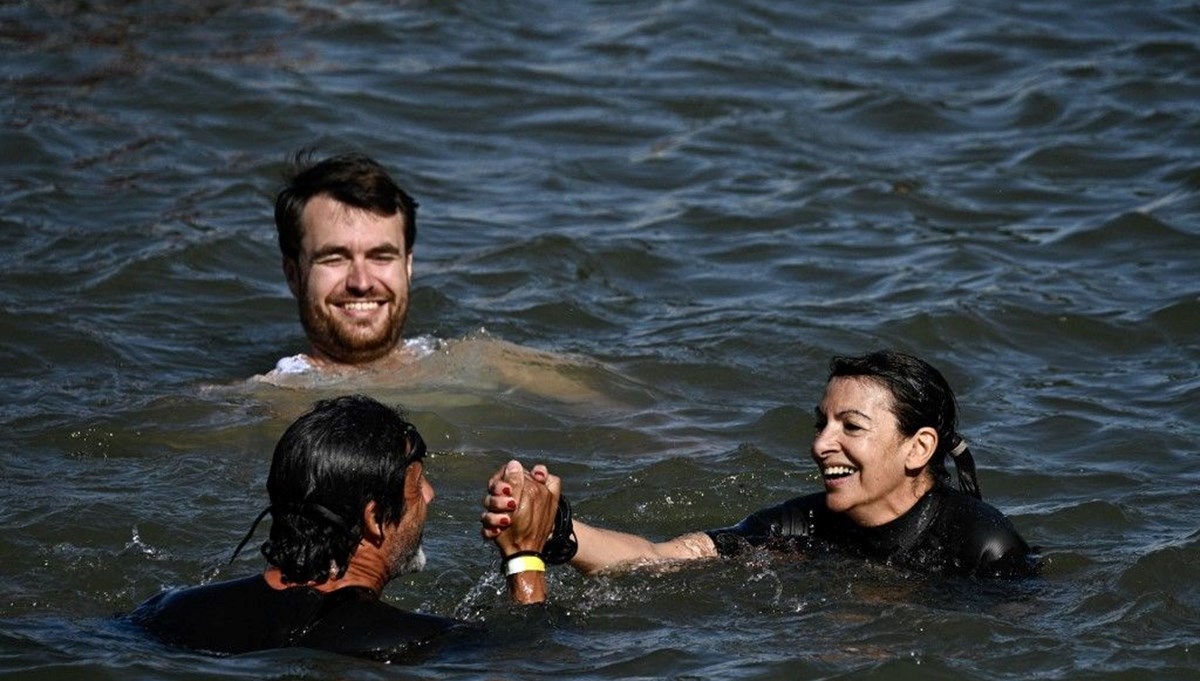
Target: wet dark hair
[(332, 461), (920, 397), (353, 179)]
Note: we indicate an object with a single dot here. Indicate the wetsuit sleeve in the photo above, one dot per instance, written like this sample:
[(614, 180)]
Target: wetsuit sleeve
[(995, 549), (754, 530), (787, 520)]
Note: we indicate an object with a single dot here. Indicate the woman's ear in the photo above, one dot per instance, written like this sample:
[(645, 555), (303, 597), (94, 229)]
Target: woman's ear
[(921, 446)]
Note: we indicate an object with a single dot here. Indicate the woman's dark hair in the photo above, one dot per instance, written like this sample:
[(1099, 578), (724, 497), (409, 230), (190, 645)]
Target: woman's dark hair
[(353, 179), (920, 397), (332, 461)]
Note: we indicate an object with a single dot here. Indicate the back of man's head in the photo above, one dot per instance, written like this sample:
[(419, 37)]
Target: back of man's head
[(332, 461), (353, 179)]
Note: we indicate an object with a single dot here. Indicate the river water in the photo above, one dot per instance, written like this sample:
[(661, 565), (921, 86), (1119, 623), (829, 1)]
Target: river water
[(644, 229)]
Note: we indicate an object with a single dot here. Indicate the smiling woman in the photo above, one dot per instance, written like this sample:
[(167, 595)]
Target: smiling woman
[(884, 428)]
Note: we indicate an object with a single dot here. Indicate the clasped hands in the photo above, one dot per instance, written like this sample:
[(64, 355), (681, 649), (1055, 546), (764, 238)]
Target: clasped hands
[(519, 508)]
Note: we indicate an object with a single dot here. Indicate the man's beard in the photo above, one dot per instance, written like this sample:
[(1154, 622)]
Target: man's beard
[(412, 561), (348, 343)]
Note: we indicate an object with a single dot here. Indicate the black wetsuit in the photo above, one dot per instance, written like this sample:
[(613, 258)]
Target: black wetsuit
[(245, 615), (947, 532)]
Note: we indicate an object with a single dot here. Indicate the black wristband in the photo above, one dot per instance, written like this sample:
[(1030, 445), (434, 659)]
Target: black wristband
[(561, 546)]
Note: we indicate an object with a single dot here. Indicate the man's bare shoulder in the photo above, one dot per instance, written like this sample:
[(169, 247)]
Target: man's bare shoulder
[(478, 363)]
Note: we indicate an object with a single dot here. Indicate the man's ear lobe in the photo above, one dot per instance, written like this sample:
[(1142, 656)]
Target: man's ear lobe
[(291, 272)]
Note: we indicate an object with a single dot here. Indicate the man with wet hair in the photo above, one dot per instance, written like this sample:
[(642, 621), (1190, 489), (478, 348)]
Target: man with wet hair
[(348, 502), (346, 233)]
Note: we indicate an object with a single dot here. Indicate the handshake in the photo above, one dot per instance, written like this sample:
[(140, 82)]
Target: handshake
[(530, 522)]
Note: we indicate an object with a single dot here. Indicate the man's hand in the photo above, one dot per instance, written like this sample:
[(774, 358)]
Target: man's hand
[(520, 512), (525, 502)]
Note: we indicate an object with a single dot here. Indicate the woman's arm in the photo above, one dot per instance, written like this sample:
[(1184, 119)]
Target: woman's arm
[(599, 549)]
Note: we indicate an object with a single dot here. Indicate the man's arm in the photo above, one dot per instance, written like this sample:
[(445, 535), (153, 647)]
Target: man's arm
[(599, 549)]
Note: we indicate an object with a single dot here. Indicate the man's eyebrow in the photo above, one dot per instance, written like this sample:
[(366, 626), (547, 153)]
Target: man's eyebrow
[(332, 249), (385, 249), (345, 251)]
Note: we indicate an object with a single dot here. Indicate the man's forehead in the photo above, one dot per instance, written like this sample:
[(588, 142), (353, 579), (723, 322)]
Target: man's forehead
[(326, 221)]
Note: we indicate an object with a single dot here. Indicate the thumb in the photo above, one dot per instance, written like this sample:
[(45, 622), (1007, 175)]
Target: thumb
[(514, 475)]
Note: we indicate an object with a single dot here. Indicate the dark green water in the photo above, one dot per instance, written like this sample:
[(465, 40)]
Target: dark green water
[(690, 206)]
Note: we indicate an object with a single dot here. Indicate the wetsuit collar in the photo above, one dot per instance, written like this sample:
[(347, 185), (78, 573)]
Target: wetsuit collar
[(903, 532)]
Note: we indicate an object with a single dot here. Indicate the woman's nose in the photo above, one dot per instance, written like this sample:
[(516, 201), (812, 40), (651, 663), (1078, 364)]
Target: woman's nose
[(822, 443)]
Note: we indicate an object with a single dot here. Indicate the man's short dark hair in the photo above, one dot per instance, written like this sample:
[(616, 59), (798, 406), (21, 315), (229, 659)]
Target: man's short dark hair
[(353, 179), (332, 461)]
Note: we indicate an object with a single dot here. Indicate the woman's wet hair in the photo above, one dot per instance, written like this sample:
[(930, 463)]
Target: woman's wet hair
[(353, 179), (332, 461), (920, 397)]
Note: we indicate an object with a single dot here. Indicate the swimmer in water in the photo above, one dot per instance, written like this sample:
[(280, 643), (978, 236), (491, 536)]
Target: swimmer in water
[(346, 233), (884, 431), (349, 498)]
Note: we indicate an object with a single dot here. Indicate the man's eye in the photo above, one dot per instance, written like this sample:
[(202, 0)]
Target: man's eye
[(329, 260), (851, 427)]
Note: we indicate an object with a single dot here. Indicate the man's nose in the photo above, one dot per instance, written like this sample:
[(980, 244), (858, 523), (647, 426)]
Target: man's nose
[(358, 279)]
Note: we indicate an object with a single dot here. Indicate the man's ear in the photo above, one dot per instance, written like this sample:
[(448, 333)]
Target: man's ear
[(372, 528), (409, 265), (291, 272), (921, 447)]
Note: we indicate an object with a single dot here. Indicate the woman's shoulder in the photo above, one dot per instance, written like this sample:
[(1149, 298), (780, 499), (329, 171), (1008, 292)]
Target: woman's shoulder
[(989, 541), (968, 508)]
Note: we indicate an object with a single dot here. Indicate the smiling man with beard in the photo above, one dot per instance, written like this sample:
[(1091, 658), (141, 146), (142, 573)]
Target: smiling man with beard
[(348, 504), (346, 233)]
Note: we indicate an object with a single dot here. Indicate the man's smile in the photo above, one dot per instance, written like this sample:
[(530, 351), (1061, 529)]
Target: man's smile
[(360, 305)]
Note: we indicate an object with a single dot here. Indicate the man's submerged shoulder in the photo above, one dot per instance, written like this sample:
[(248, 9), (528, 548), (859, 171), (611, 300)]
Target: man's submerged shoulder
[(246, 615), (304, 365), (356, 623), (296, 364), (202, 617)]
